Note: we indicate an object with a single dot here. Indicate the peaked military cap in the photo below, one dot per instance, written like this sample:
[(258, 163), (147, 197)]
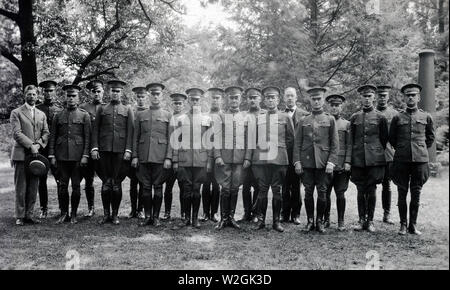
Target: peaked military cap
[(368, 88), (94, 84), (178, 96), (412, 87), (195, 92), (48, 84), (71, 88), (271, 90), (116, 83), (335, 99)]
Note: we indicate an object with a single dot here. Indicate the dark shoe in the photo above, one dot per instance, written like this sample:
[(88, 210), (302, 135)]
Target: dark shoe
[(246, 217), (370, 227), (234, 224), (115, 220), (146, 222), (73, 219), (43, 214), (31, 221), (90, 213), (260, 225), (183, 217), (156, 222), (387, 218), (133, 214), (214, 218), (19, 222), (361, 226), (413, 230), (326, 224), (187, 221), (309, 226), (220, 225), (205, 217), (283, 219), (166, 216), (277, 226), (141, 215), (195, 223), (402, 230), (296, 221), (341, 226), (105, 219), (64, 217), (320, 226)]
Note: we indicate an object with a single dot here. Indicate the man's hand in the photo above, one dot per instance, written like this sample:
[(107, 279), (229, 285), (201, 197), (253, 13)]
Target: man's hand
[(84, 161), (175, 167), (95, 155), (35, 148), (219, 162), (135, 162), (127, 156), (329, 169), (208, 167), (347, 167), (246, 164), (53, 161), (298, 168), (167, 164)]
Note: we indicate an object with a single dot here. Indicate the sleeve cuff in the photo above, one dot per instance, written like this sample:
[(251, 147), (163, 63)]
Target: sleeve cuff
[(52, 156), (295, 163), (84, 155), (331, 163), (129, 151), (94, 149)]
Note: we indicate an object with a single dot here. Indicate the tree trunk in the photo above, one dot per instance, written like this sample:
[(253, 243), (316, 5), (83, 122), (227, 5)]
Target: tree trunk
[(441, 16), (28, 68)]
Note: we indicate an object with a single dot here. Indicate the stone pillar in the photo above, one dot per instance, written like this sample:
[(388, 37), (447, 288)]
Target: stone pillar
[(428, 97)]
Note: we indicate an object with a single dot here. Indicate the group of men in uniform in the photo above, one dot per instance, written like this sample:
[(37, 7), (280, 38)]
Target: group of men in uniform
[(222, 150)]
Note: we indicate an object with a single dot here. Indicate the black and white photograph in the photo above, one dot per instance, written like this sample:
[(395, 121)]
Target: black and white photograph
[(222, 140)]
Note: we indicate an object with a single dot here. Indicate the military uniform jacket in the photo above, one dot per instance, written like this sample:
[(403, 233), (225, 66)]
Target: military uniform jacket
[(70, 135), (50, 110), (411, 133), (27, 130), (186, 155), (345, 144), (369, 136), (113, 128), (92, 109), (316, 141), (234, 149), (284, 142), (389, 113), (151, 136)]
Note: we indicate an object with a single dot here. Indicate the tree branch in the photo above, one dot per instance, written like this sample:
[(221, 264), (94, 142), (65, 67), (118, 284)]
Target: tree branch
[(97, 74), (365, 82), (340, 63), (145, 12), (9, 56), (170, 4), (11, 15)]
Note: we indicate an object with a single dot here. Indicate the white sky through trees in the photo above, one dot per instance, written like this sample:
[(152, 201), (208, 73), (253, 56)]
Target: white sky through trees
[(211, 15)]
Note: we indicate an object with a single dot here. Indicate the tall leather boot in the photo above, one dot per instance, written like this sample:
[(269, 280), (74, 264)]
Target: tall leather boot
[(133, 198), (309, 206), (321, 204), (361, 211), (187, 210), (167, 204), (413, 213), (340, 203), (106, 201), (157, 202), (223, 213), (116, 199), (402, 211), (195, 208), (261, 205), (75, 200), (276, 212), (148, 208), (90, 196), (372, 199), (232, 209)]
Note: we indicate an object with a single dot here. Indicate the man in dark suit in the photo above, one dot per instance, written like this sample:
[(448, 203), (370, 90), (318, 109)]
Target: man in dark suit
[(411, 134), (269, 163), (292, 202), (30, 133), (315, 156), (152, 152), (69, 151), (50, 108), (96, 91), (369, 136), (112, 137)]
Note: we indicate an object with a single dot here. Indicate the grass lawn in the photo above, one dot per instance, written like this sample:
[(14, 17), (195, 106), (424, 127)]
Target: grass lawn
[(172, 246)]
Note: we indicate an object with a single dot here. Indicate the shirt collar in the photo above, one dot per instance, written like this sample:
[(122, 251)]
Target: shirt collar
[(29, 107)]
